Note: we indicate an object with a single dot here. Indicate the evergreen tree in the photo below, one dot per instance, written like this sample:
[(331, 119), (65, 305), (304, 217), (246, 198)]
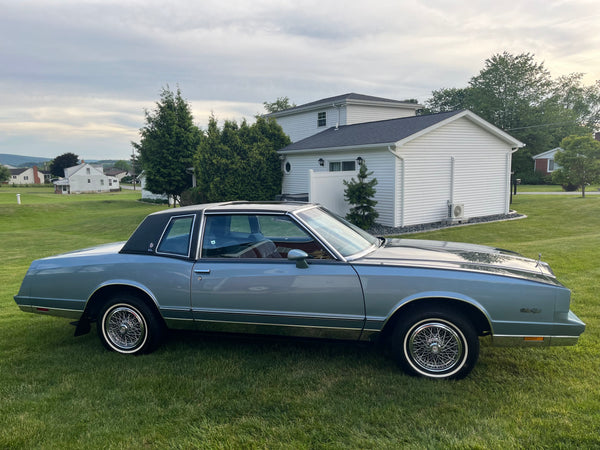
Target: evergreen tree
[(360, 194), (240, 162), (167, 145)]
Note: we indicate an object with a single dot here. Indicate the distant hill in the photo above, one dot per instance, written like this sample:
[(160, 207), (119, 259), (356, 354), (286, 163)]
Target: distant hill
[(21, 161)]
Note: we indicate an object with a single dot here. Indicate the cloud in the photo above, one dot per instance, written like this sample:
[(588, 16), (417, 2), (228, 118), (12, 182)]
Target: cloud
[(79, 73)]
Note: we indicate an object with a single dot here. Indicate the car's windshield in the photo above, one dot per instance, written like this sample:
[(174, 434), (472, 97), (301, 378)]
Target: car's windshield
[(346, 238)]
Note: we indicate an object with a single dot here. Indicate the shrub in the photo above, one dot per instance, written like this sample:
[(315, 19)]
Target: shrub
[(360, 194)]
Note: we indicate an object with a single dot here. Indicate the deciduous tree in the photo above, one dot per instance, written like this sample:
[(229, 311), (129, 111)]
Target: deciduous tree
[(62, 162), (281, 104), (4, 174), (579, 161), (518, 95)]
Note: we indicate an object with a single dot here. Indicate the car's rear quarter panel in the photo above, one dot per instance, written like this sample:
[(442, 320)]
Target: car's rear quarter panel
[(67, 282)]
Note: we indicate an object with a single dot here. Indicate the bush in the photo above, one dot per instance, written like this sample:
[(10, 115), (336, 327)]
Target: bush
[(360, 194), (533, 178), (192, 196)]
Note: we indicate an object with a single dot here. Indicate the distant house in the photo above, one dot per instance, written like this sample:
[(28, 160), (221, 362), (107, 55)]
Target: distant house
[(85, 178), (148, 195), (28, 175), (430, 168), (544, 162), (119, 174)]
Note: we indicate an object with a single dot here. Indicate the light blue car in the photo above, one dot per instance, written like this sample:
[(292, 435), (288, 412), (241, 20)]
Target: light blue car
[(296, 269)]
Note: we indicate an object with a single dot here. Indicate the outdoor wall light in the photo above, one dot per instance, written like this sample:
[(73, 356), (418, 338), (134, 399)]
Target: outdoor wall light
[(360, 161), (321, 162)]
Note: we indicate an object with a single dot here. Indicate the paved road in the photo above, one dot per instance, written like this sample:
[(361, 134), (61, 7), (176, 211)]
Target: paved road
[(559, 193)]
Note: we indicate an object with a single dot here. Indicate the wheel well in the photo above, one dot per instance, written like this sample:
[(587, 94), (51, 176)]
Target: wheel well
[(470, 312), (99, 297)]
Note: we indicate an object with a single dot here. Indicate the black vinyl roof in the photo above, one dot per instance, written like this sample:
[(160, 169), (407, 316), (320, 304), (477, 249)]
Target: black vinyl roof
[(370, 133)]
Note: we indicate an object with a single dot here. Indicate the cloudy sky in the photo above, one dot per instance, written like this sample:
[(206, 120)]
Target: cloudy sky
[(77, 75)]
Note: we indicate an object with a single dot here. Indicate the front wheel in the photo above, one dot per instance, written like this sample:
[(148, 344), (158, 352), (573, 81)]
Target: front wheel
[(127, 325), (435, 343)]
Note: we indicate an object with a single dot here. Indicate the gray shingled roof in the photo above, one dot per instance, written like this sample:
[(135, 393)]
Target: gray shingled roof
[(370, 133), (339, 99), (350, 96)]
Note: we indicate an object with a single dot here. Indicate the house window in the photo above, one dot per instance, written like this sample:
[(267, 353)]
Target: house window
[(25, 178), (101, 182), (322, 119), (550, 165), (288, 167), (87, 170), (89, 181), (342, 166)]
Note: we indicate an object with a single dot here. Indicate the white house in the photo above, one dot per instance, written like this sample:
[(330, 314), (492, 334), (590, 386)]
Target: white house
[(29, 175), (429, 168), (149, 195), (544, 162), (85, 178), (312, 118)]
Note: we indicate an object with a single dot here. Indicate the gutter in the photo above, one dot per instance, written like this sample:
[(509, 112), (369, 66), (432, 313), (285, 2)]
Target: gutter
[(330, 149)]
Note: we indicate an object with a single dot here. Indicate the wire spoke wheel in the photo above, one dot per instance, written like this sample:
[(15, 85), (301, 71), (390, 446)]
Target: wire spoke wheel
[(435, 347), (126, 324), (435, 343), (125, 327)]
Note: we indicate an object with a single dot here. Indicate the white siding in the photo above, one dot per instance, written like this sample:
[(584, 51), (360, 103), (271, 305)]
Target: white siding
[(26, 177), (304, 124), (365, 113), (481, 173), (297, 181), (381, 162), (87, 178)]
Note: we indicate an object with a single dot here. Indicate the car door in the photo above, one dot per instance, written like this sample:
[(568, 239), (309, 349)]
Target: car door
[(245, 282)]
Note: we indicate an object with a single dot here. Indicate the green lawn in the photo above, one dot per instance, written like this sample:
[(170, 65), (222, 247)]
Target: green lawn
[(524, 188), (203, 391)]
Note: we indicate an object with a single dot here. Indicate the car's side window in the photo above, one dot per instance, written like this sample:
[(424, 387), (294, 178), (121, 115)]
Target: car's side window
[(256, 236), (176, 238)]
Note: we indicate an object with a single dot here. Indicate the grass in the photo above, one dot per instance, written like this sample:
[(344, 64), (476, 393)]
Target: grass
[(525, 188), (206, 391)]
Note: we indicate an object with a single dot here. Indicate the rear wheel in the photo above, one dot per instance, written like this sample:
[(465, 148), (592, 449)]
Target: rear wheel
[(127, 325), (435, 343)]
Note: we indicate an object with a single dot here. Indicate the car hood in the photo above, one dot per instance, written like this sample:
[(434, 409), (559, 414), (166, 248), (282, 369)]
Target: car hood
[(458, 256)]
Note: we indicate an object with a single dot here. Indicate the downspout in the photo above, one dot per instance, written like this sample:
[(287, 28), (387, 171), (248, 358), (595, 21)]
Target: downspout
[(452, 164), (391, 149), (508, 199), (507, 192)]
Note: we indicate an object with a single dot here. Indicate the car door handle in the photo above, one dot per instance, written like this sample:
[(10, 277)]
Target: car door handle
[(202, 271)]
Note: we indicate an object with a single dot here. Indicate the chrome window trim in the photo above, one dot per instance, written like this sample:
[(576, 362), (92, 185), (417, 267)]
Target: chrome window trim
[(296, 220), (191, 234), (338, 255)]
